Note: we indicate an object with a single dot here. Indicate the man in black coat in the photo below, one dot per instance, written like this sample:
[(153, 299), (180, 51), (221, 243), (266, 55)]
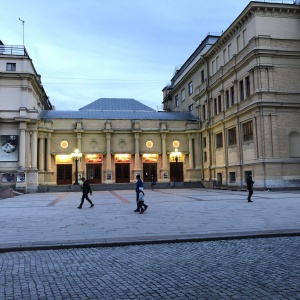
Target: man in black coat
[(86, 189), (250, 183)]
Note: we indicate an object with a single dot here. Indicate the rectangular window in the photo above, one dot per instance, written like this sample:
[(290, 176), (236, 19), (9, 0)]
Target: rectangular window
[(205, 156), (238, 41), (248, 131), (203, 112), (10, 67), (232, 95), (182, 95), (202, 76), (217, 63), (225, 56), (232, 177), (244, 38), (229, 52), (219, 140), (247, 83), (204, 142), (191, 107), (215, 106), (241, 85), (227, 99), (232, 136), (176, 100), (219, 104), (191, 88)]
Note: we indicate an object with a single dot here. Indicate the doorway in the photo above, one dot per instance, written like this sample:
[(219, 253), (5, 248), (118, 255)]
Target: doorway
[(93, 172), (64, 174), (176, 171), (122, 173), (148, 171)]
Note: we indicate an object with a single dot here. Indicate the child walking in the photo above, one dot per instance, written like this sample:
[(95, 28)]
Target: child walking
[(141, 202)]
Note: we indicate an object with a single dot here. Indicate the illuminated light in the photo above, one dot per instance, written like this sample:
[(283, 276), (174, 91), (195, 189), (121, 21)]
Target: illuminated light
[(149, 144), (176, 144), (64, 144)]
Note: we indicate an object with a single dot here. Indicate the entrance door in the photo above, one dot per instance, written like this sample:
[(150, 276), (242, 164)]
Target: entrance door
[(122, 173), (93, 173), (176, 171), (64, 174), (148, 171)]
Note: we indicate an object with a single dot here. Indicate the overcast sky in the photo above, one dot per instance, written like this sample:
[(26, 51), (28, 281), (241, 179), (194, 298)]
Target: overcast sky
[(91, 49)]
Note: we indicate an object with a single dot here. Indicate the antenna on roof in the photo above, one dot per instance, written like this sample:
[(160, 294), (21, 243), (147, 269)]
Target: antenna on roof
[(23, 29)]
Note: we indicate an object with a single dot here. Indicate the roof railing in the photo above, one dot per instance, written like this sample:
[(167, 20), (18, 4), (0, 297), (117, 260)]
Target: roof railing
[(13, 50)]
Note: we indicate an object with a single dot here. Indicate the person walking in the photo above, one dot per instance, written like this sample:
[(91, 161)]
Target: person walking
[(250, 183), (139, 184), (142, 206), (86, 189)]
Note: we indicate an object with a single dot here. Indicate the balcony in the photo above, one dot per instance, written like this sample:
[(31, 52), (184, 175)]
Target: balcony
[(13, 50)]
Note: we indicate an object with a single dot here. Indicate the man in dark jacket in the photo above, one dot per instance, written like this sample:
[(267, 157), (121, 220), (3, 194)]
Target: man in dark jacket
[(86, 188), (250, 183)]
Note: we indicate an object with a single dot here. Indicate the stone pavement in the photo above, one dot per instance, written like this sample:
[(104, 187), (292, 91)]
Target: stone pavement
[(52, 220)]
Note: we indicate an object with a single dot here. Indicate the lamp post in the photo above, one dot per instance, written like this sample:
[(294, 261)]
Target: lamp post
[(76, 155)]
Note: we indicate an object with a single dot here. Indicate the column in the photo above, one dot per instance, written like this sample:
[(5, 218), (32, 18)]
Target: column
[(34, 150), (48, 153), (137, 151), (191, 157), (164, 150), (108, 152), (22, 146), (41, 153)]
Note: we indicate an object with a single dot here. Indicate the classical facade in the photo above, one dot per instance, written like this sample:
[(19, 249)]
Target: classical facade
[(243, 87), (232, 109)]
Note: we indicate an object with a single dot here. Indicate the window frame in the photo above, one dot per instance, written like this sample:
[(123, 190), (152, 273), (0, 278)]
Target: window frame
[(219, 140), (182, 94), (11, 67), (231, 135), (247, 128), (191, 87)]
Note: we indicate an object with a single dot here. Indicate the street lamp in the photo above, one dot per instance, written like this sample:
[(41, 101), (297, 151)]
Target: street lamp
[(76, 155)]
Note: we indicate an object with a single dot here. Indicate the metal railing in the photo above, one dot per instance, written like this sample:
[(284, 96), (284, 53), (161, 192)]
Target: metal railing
[(13, 50)]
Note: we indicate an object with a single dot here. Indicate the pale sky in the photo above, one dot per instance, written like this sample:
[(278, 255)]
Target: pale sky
[(91, 49)]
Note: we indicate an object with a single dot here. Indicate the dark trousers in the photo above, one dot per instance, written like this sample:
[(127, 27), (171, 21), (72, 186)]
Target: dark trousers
[(250, 193), (85, 196), (140, 205)]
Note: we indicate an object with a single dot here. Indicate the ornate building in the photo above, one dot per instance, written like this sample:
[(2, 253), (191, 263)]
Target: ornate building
[(232, 109), (243, 86)]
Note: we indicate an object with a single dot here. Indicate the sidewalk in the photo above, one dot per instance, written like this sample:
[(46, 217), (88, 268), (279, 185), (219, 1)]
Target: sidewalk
[(52, 220)]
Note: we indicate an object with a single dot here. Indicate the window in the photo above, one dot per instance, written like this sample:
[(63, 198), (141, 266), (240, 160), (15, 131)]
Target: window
[(232, 95), (219, 104), (232, 177), (244, 37), (229, 52), (248, 131), (182, 95), (191, 88), (202, 76), (10, 67), (247, 83), (238, 41), (191, 107), (232, 136), (241, 84), (176, 100), (213, 67), (204, 142), (224, 56), (227, 98), (203, 112), (215, 106), (205, 156), (217, 63), (219, 140)]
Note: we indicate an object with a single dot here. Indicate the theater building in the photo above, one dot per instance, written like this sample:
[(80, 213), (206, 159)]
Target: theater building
[(232, 109)]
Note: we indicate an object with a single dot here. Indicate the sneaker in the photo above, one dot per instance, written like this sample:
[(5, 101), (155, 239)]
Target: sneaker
[(92, 205), (140, 213), (79, 206), (250, 201), (146, 207), (136, 210)]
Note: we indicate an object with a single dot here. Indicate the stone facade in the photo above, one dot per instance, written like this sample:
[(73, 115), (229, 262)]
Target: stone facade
[(244, 89)]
